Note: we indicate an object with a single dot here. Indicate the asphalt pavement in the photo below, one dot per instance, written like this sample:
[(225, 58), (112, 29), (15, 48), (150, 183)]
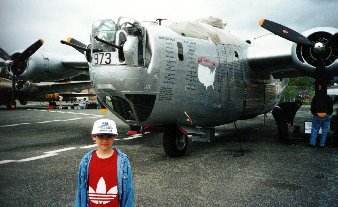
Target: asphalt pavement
[(40, 151)]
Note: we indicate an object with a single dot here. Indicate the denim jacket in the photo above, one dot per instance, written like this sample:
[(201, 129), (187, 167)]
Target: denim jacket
[(125, 186)]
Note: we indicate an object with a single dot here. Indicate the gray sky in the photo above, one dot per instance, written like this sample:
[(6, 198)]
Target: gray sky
[(25, 21)]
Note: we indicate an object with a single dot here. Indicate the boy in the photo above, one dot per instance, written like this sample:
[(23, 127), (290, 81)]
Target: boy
[(104, 176)]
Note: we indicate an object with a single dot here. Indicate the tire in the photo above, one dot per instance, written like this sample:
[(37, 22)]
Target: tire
[(175, 143), (22, 102)]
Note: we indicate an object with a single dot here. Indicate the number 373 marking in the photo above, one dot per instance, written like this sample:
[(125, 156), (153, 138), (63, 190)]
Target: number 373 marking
[(102, 58)]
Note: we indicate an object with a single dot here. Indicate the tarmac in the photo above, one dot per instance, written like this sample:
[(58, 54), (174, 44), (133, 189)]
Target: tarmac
[(40, 150)]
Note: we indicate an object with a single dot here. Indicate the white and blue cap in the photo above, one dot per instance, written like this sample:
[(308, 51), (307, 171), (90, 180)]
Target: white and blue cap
[(104, 126)]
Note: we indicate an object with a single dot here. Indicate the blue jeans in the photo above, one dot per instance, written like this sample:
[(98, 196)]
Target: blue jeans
[(317, 123)]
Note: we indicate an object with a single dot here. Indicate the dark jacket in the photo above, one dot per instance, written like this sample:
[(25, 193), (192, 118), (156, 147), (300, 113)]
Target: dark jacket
[(290, 109), (322, 104)]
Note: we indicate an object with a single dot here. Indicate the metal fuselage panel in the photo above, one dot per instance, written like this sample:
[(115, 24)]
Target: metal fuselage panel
[(202, 84), (195, 81)]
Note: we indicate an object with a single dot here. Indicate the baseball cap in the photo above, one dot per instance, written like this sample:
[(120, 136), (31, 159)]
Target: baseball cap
[(104, 126)]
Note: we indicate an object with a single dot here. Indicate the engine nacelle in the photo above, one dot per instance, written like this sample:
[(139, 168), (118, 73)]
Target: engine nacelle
[(306, 57)]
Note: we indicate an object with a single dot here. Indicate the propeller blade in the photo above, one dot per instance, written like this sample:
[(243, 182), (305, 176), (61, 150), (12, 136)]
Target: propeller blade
[(78, 43), (333, 41), (19, 63), (30, 51), (285, 32), (77, 47), (4, 55)]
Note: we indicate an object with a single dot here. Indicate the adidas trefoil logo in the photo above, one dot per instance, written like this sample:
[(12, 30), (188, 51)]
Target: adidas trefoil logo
[(101, 196)]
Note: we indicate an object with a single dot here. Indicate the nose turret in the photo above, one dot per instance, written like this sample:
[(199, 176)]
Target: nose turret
[(118, 71), (122, 43)]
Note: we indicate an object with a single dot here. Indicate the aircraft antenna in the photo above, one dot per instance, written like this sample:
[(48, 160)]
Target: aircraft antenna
[(262, 35), (160, 21)]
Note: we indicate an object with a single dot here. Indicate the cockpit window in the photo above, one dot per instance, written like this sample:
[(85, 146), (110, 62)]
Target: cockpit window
[(129, 25), (106, 30)]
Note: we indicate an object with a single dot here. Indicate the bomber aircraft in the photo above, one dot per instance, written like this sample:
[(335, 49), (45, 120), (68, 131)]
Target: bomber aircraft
[(191, 76), (41, 92), (30, 65)]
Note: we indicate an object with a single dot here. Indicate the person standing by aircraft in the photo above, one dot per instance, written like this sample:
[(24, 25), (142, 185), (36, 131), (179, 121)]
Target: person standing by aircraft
[(284, 113), (321, 108), (105, 175)]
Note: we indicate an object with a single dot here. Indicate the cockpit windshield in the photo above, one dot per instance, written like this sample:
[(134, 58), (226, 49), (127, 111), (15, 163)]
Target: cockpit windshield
[(105, 30), (129, 25), (123, 22)]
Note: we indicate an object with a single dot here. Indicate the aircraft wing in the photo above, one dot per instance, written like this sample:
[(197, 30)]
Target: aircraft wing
[(68, 94), (278, 64), (76, 64), (74, 86)]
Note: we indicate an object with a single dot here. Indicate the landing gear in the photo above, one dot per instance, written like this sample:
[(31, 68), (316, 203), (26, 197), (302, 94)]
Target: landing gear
[(23, 102), (175, 143), (134, 130), (11, 105)]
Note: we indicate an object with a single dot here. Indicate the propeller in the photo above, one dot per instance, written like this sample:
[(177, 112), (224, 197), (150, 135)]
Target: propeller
[(4, 61), (79, 46), (4, 55), (17, 64), (284, 32), (318, 47), (333, 42)]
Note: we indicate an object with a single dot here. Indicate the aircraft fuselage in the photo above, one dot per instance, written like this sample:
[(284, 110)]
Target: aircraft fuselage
[(181, 80)]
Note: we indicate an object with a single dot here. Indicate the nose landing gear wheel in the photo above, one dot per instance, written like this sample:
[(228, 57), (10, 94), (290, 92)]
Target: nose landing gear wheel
[(175, 143)]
